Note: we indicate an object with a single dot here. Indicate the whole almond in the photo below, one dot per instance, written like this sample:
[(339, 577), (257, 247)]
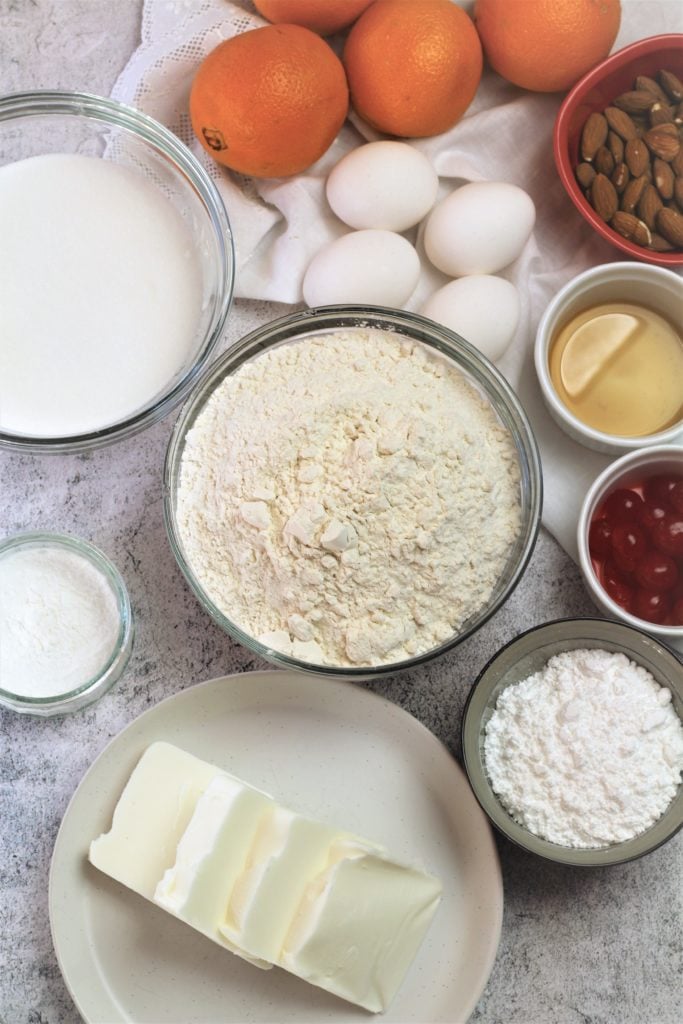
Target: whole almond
[(659, 243), (638, 101), (620, 122), (604, 197), (631, 228), (660, 113), (632, 193), (649, 206), (620, 177), (670, 224), (615, 144), (637, 156), (585, 173), (671, 84), (663, 178), (663, 141), (593, 136), (649, 84), (604, 161)]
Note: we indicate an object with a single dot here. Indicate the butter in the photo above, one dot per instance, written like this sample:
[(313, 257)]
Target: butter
[(151, 816), (271, 885)]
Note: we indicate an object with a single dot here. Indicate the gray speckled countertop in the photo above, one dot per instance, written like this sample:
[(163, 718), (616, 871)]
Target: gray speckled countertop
[(578, 947)]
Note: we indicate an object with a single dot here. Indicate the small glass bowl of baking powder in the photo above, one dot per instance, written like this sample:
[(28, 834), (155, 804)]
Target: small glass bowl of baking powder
[(643, 740), (66, 624)]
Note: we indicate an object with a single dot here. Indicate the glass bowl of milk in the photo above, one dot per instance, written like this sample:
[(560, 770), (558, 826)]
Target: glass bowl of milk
[(117, 264)]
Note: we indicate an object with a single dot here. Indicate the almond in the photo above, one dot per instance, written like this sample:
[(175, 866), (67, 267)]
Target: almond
[(593, 136), (660, 244), (620, 122), (620, 177), (649, 206), (649, 84), (660, 113), (631, 228), (663, 141), (670, 224), (604, 161), (678, 192), (615, 144), (677, 163), (663, 178), (638, 101), (637, 157), (604, 197), (632, 193), (585, 173), (671, 84)]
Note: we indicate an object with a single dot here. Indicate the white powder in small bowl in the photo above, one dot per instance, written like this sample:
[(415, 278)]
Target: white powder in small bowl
[(586, 752), (59, 620)]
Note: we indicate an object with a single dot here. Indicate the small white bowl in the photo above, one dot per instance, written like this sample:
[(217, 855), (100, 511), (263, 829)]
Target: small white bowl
[(623, 473), (654, 287)]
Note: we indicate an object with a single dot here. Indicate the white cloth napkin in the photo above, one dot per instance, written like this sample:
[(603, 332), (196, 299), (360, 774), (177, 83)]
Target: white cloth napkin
[(506, 136)]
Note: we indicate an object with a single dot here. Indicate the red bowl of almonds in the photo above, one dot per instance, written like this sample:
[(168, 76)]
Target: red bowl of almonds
[(618, 146)]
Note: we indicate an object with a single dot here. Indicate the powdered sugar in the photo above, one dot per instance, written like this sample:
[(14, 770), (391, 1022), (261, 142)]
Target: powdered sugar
[(586, 752), (348, 499)]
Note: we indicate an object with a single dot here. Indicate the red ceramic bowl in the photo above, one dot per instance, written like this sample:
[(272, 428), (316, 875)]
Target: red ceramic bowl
[(595, 91)]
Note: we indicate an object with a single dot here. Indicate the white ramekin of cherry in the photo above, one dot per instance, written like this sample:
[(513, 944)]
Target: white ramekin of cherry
[(630, 540)]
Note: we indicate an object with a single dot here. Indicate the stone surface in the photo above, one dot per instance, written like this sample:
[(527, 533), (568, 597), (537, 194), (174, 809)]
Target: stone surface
[(578, 947)]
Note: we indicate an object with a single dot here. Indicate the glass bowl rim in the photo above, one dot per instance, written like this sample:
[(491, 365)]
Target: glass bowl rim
[(323, 319), (112, 669), (503, 822), (154, 134)]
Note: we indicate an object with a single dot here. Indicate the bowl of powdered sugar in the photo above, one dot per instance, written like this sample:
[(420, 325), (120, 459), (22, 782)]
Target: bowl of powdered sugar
[(573, 742), (352, 491)]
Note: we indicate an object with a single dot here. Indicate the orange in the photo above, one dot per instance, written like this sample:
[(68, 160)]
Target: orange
[(546, 45), (269, 102), (322, 16), (413, 68)]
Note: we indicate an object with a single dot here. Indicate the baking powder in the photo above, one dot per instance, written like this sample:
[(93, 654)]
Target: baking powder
[(59, 621), (586, 752), (348, 499)]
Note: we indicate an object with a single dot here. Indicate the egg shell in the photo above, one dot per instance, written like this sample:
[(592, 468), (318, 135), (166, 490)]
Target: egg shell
[(376, 267), (384, 184), (482, 309), (479, 229)]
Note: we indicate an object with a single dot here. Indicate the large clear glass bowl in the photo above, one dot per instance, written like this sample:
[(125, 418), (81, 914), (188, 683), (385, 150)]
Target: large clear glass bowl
[(38, 123), (476, 369)]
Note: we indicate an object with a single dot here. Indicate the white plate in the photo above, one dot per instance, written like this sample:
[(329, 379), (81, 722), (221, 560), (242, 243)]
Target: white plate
[(329, 749)]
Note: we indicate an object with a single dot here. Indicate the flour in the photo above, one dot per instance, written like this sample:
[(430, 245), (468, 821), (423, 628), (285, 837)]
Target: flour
[(348, 499), (59, 621), (586, 752)]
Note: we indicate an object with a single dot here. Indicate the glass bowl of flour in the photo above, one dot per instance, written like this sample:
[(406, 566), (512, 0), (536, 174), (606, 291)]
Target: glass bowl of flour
[(573, 742), (352, 491), (117, 268)]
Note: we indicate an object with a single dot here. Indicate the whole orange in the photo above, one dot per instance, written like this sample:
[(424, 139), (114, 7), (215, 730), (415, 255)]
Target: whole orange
[(413, 67), (269, 102), (546, 45), (322, 16)]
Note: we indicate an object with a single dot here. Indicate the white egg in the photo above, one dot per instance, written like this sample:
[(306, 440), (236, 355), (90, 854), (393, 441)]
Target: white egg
[(382, 185), (483, 310), (479, 229), (376, 267)]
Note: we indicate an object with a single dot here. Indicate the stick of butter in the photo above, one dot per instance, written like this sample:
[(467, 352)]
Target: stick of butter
[(273, 886)]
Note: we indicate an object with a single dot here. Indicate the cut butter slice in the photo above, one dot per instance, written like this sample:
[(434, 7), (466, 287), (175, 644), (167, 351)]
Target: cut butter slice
[(273, 886), (360, 925), (152, 813)]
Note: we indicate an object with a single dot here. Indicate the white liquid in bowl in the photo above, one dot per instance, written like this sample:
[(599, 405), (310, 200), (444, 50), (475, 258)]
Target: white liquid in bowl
[(101, 294)]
